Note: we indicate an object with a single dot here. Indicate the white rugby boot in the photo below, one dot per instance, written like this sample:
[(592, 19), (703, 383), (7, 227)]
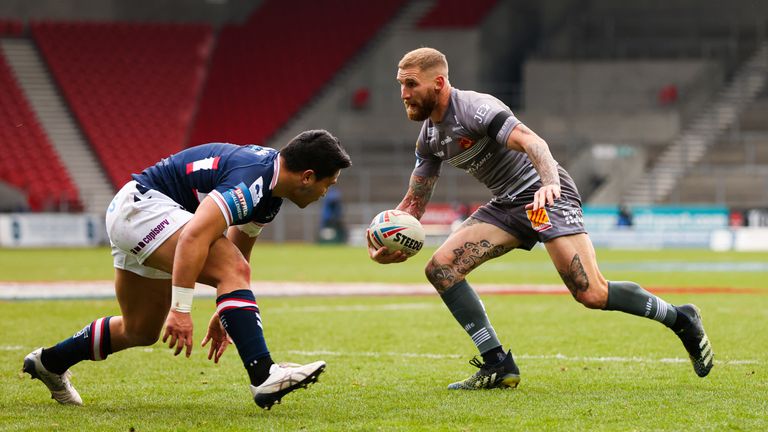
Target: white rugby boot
[(60, 386), (283, 379)]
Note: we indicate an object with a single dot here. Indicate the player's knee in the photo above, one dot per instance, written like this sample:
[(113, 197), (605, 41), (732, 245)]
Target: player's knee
[(593, 298), (441, 276), (242, 270), (143, 337), (236, 273)]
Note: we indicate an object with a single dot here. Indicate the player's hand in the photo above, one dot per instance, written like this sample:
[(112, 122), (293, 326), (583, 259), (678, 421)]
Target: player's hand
[(383, 255), (218, 337), (178, 326), (546, 195)]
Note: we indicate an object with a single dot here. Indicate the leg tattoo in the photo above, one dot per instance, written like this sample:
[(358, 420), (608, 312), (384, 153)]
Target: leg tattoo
[(466, 259), (575, 277), (440, 276)]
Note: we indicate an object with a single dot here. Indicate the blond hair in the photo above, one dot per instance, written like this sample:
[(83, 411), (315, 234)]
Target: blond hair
[(425, 59)]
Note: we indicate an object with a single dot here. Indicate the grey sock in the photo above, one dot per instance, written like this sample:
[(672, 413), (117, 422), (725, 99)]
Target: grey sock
[(631, 298), (468, 310)]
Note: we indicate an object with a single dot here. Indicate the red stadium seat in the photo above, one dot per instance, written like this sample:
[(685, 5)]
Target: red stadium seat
[(456, 14), (263, 73), (28, 159), (132, 87)]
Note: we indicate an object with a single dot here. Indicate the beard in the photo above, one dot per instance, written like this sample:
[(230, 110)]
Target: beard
[(422, 110)]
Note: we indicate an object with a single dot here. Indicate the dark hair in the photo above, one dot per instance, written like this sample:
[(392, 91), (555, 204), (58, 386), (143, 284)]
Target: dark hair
[(317, 150)]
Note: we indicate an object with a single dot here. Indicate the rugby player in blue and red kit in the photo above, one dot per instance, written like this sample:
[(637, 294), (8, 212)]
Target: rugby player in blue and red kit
[(194, 217)]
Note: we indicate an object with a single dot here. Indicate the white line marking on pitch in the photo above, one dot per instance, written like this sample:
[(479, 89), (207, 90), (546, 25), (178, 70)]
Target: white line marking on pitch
[(517, 356), (375, 354), (357, 308)]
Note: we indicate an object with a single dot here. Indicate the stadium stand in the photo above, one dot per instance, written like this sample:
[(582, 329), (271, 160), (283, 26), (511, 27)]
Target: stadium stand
[(456, 14), (262, 74), (27, 159), (11, 27), (132, 87)]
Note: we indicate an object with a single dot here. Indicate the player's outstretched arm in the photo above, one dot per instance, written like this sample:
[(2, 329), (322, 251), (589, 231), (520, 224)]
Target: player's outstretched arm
[(525, 140), (415, 202), (419, 193), (195, 240)]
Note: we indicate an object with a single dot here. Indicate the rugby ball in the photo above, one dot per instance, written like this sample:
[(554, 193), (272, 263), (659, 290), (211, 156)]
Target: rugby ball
[(397, 230)]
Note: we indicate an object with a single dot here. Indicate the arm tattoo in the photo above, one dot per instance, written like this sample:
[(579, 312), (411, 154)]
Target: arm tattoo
[(418, 195), (544, 163), (575, 277)]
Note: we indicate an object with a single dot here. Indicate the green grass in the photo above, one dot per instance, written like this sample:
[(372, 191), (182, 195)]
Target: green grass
[(295, 262), (390, 358), (379, 377)]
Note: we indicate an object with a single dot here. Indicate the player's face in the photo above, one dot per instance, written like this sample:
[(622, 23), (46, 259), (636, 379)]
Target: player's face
[(314, 189), (417, 92)]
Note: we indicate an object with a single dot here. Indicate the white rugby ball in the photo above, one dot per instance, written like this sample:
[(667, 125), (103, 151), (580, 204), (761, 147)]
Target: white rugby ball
[(397, 230)]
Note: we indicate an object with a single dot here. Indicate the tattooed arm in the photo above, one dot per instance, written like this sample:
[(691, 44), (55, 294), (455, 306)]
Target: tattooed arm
[(415, 202), (418, 195), (525, 140)]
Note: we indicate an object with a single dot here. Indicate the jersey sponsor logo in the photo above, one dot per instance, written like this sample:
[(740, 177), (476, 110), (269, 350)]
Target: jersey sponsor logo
[(481, 112), (465, 143), (473, 167), (211, 163), (573, 216), (238, 201), (447, 140), (539, 219), (151, 235)]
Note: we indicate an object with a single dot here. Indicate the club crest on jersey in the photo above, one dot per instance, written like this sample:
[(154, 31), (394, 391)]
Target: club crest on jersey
[(465, 143), (539, 220)]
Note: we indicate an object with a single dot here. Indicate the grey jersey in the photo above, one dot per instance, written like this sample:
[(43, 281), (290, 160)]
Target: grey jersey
[(472, 136)]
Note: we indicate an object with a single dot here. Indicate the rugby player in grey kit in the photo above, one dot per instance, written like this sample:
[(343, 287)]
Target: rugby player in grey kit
[(534, 200)]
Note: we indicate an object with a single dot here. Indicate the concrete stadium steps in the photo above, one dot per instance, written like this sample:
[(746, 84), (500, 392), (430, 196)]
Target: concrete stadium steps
[(693, 143), (58, 123), (736, 186), (745, 148)]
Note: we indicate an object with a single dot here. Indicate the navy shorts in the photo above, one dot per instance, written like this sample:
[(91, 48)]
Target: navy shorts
[(563, 218)]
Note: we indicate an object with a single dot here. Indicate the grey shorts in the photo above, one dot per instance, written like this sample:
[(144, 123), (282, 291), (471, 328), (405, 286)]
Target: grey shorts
[(563, 218)]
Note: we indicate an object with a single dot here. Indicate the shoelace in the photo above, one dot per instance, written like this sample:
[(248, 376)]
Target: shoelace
[(476, 362)]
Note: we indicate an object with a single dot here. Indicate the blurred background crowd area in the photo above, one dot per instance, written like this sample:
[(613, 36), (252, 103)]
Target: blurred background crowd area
[(658, 108)]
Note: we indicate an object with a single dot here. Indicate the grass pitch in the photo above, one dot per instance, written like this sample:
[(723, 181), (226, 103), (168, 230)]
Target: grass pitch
[(390, 358)]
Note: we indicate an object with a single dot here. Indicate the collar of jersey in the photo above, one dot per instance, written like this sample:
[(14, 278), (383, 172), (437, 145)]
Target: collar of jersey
[(276, 172)]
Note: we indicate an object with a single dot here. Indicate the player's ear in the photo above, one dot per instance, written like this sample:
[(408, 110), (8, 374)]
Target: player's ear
[(306, 177), (439, 83)]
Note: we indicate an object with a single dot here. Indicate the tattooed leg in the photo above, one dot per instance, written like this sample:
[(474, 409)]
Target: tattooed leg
[(446, 271), (575, 277)]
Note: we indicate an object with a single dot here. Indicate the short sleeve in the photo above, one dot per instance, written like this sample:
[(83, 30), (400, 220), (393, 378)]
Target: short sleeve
[(427, 164), (487, 116)]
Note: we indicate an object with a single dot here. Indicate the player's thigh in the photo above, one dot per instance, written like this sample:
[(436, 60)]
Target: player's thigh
[(474, 243), (224, 263), (144, 302), (575, 260)]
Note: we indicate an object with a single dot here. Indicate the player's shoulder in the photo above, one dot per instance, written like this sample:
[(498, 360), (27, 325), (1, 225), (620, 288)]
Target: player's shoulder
[(469, 100), (476, 110)]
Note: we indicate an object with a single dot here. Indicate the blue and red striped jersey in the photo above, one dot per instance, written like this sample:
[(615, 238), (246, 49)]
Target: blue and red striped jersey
[(240, 180)]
